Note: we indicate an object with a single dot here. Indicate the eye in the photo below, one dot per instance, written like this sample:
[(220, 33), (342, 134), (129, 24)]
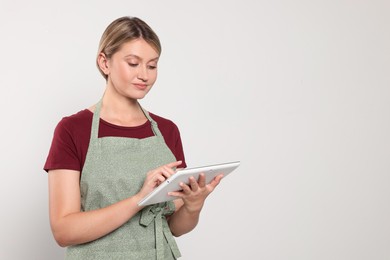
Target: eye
[(152, 67), (133, 64)]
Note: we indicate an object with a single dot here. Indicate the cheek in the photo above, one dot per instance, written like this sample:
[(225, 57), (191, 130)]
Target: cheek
[(124, 71), (153, 76)]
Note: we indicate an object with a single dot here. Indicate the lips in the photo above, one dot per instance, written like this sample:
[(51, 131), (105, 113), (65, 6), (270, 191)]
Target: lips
[(140, 86)]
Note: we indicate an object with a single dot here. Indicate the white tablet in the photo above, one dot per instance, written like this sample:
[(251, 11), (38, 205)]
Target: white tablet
[(160, 194)]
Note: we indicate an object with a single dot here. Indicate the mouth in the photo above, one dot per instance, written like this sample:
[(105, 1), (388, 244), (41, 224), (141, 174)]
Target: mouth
[(140, 86)]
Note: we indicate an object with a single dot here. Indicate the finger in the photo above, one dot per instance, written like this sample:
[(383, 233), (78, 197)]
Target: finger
[(157, 180), (167, 172), (216, 181), (160, 178), (174, 164), (186, 189), (178, 194), (202, 180), (193, 184)]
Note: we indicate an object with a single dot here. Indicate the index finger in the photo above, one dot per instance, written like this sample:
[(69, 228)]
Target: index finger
[(174, 164)]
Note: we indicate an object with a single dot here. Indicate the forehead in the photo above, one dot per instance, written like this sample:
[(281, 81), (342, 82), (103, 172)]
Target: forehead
[(138, 48)]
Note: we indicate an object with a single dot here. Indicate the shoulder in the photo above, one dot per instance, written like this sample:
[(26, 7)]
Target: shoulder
[(74, 126), (76, 121), (168, 128), (79, 117), (69, 141), (164, 123)]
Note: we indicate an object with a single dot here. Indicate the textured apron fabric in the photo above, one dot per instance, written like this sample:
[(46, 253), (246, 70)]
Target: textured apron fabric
[(115, 169)]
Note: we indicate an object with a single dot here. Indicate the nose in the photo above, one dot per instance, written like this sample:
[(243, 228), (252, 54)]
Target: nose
[(142, 73)]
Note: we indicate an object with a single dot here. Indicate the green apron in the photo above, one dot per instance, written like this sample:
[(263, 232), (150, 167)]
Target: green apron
[(115, 169)]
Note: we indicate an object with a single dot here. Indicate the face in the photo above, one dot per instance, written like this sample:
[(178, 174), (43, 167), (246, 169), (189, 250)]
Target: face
[(132, 70)]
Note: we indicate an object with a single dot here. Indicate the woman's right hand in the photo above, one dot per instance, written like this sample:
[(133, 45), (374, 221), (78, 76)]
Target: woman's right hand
[(157, 176)]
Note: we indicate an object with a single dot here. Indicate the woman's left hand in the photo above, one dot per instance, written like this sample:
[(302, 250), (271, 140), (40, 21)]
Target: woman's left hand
[(195, 193)]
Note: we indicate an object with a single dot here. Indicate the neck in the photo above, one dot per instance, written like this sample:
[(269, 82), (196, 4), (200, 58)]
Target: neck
[(121, 110)]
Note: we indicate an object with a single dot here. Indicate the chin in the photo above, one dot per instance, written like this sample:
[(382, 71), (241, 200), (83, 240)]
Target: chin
[(138, 96)]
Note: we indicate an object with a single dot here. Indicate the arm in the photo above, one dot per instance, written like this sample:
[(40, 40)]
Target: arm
[(188, 209), (70, 226)]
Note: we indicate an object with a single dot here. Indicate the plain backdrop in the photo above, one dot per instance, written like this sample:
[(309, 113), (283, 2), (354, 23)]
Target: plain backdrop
[(296, 90)]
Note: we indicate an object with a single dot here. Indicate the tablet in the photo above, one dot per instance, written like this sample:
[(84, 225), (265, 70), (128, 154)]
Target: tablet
[(160, 194)]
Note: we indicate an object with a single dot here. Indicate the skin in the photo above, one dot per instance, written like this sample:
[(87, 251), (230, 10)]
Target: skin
[(131, 72)]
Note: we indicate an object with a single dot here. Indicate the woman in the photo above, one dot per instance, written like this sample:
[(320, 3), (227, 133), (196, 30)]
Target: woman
[(105, 159)]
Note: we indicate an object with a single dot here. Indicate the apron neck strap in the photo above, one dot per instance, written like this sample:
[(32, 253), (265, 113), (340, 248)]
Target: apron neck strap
[(155, 129), (96, 121)]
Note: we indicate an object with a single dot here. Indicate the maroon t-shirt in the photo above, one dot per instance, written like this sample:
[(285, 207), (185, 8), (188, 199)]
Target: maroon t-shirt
[(71, 139)]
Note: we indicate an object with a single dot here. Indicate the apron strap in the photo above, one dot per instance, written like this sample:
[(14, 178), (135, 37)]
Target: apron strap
[(95, 123), (155, 129), (157, 213)]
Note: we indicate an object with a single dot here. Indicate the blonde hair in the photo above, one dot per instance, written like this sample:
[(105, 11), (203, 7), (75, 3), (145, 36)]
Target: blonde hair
[(123, 30)]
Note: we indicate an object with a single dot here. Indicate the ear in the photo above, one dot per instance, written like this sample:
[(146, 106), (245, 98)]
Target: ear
[(103, 63)]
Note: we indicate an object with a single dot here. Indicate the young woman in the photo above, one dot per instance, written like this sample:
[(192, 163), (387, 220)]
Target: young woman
[(105, 159)]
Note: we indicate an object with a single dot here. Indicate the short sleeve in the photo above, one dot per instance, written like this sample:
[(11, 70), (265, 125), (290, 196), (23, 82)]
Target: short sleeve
[(63, 151), (179, 151)]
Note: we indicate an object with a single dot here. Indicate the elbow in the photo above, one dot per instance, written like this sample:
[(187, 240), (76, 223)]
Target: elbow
[(179, 228), (63, 232), (61, 235), (62, 243), (174, 230), (179, 231), (61, 239), (175, 234)]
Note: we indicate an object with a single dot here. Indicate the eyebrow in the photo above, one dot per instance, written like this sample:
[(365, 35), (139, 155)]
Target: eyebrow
[(138, 57)]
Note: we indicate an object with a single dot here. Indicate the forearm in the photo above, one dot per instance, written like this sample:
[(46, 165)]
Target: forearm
[(82, 227), (183, 221)]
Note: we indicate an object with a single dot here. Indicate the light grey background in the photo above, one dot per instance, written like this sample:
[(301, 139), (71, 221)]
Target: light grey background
[(296, 90)]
